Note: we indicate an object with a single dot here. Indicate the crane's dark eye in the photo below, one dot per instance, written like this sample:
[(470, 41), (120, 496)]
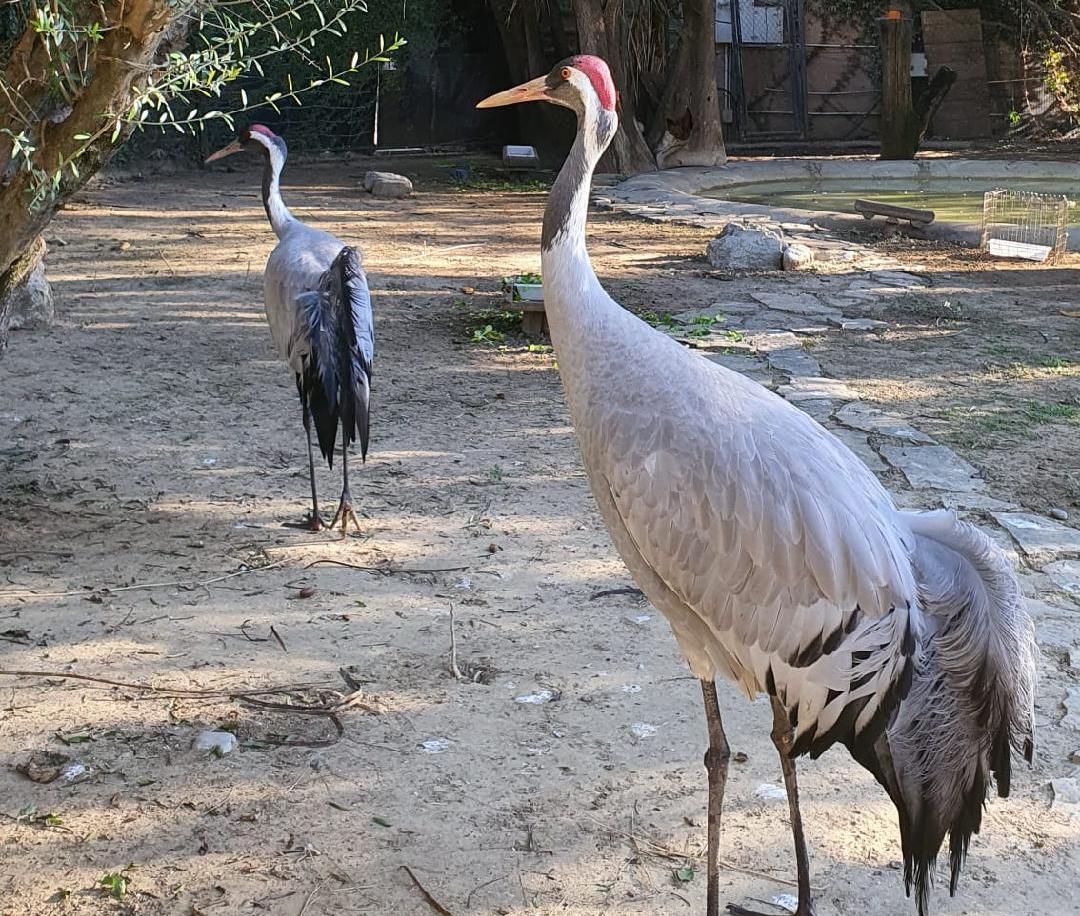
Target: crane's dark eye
[(565, 73)]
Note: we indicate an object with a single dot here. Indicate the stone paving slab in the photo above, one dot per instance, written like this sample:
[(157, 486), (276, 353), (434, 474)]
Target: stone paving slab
[(794, 361), (872, 420), (767, 340), (816, 388), (860, 445), (978, 501), (796, 303), (821, 411), (1065, 574), (1039, 537), (898, 278), (935, 467), (863, 324)]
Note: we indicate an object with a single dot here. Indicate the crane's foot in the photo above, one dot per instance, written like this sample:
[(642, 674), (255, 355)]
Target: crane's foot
[(804, 909), (313, 521), (345, 514)]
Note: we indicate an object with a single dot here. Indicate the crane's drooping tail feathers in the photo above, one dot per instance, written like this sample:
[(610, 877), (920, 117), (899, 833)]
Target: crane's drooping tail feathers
[(971, 700), (336, 322)]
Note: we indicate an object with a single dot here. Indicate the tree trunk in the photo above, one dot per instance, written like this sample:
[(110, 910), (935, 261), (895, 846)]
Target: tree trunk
[(518, 22), (929, 102), (603, 36), (135, 32), (690, 106), (899, 124)]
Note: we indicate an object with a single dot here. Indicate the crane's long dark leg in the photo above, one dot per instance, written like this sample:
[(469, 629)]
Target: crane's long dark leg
[(783, 739), (345, 511), (314, 521), (716, 765)]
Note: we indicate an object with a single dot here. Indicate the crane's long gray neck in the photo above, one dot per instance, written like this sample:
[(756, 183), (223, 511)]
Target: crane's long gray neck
[(568, 203), (279, 214)]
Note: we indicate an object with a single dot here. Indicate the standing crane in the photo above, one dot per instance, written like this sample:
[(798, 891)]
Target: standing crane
[(319, 310), (777, 557)]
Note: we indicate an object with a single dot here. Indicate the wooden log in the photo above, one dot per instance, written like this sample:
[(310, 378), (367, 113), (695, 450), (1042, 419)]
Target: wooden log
[(871, 208)]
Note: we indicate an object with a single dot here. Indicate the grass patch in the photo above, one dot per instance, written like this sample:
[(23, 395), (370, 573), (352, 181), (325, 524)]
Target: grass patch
[(928, 307), (986, 428)]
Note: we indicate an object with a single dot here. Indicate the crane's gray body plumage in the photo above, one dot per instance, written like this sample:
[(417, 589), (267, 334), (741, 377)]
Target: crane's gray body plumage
[(780, 561), (319, 311)]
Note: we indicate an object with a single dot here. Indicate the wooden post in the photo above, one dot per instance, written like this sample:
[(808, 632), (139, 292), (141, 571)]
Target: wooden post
[(899, 124)]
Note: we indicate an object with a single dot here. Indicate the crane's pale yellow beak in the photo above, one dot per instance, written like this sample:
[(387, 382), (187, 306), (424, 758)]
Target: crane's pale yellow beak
[(532, 91), (235, 147)]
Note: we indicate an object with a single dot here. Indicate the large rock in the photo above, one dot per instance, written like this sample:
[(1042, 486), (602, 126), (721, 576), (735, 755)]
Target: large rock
[(745, 248), (32, 303), (28, 301), (387, 184)]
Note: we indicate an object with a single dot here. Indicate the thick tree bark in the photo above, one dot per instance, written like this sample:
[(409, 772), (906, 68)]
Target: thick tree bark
[(927, 104), (136, 32), (690, 105), (602, 32), (899, 125)]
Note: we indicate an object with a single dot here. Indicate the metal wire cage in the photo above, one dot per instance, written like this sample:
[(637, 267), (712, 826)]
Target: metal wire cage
[(1024, 224)]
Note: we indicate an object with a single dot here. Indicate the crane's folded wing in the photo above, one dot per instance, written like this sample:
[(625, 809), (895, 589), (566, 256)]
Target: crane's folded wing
[(758, 521)]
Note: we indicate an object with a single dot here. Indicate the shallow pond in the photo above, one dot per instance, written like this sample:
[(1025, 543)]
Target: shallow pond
[(953, 201)]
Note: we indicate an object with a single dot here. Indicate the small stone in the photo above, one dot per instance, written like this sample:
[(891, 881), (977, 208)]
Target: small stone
[(1074, 660), (214, 742), (1074, 756), (936, 467), (43, 766), (1038, 536), (798, 257), (740, 247), (387, 184), (1060, 514), (1065, 574), (814, 388)]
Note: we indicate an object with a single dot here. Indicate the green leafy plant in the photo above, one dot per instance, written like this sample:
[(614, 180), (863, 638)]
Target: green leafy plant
[(231, 43), (487, 334), (115, 884)]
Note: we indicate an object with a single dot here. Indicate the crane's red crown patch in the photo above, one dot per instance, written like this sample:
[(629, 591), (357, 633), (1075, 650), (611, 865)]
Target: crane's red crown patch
[(600, 76)]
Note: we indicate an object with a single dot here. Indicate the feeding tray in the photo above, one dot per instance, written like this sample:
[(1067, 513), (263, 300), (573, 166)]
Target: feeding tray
[(520, 157), (1007, 248), (917, 219), (527, 298)]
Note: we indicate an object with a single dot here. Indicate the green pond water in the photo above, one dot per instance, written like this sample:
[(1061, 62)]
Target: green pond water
[(952, 201)]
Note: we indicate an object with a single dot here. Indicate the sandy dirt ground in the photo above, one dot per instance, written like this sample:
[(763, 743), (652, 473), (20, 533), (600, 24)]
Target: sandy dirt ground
[(150, 449)]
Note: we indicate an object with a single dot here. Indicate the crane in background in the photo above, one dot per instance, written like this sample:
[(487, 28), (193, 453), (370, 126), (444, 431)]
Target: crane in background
[(319, 310)]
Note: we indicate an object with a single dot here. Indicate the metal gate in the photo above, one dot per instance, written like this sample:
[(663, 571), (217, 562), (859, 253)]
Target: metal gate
[(768, 64)]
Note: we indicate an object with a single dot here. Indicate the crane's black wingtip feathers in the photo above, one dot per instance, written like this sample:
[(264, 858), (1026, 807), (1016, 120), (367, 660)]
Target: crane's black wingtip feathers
[(338, 325)]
